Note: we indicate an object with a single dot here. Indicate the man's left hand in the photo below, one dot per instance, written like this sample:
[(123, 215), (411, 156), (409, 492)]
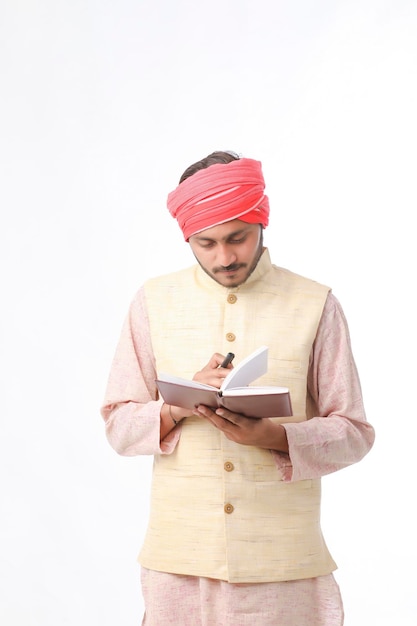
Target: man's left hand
[(248, 431)]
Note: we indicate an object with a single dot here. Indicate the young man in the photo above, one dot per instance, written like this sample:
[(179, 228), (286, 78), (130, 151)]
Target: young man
[(234, 532)]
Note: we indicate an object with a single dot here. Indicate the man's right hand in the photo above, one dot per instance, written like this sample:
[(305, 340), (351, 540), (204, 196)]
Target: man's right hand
[(212, 374)]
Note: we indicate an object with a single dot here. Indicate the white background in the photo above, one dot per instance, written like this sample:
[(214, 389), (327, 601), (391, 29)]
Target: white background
[(103, 105)]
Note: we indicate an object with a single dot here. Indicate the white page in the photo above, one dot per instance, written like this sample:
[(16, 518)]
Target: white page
[(248, 370), (168, 378), (254, 391)]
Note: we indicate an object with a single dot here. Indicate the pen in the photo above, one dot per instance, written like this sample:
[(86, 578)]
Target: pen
[(228, 359)]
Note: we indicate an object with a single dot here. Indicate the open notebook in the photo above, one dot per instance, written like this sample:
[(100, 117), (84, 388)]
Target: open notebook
[(235, 394)]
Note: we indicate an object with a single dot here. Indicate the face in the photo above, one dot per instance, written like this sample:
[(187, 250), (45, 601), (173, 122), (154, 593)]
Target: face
[(228, 252)]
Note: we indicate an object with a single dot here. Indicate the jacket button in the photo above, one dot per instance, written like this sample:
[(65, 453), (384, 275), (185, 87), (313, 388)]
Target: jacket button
[(229, 508), (231, 298), (230, 337), (228, 466)]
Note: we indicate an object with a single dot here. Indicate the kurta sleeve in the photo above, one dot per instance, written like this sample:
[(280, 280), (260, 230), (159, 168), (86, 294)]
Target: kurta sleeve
[(131, 407), (339, 435)]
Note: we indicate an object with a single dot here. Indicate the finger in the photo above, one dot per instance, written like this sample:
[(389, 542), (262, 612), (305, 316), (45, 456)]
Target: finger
[(204, 411), (218, 420), (216, 360), (228, 417)]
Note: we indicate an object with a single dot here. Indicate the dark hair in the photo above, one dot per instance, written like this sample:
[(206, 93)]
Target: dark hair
[(211, 159)]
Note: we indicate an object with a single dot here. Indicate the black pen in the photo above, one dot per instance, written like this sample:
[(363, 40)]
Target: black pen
[(228, 359)]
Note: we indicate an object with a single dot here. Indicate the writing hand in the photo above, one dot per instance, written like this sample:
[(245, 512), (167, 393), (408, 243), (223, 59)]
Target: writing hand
[(214, 372)]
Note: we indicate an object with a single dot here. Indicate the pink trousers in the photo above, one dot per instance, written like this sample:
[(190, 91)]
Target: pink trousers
[(176, 600)]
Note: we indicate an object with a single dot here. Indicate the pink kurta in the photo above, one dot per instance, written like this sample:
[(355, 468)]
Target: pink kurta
[(317, 447)]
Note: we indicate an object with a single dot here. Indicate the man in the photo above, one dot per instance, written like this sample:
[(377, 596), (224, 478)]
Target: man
[(234, 533)]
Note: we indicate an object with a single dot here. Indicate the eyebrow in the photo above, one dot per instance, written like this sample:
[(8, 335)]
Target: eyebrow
[(241, 231)]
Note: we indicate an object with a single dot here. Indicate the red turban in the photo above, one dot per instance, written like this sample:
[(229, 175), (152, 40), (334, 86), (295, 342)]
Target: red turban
[(220, 193)]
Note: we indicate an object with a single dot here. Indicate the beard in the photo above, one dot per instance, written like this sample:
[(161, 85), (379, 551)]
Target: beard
[(235, 267)]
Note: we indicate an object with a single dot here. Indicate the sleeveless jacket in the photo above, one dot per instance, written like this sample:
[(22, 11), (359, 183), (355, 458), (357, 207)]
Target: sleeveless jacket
[(220, 509)]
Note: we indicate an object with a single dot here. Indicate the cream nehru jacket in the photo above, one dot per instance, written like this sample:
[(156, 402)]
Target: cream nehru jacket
[(220, 509)]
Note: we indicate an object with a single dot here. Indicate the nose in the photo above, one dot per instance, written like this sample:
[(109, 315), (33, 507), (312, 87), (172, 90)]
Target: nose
[(226, 255)]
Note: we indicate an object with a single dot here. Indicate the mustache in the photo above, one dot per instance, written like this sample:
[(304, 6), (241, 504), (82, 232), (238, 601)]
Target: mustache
[(233, 267)]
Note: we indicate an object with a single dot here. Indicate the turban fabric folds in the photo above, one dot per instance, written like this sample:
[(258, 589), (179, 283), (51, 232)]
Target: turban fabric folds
[(218, 194)]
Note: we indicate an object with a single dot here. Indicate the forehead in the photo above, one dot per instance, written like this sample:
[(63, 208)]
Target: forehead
[(223, 231)]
